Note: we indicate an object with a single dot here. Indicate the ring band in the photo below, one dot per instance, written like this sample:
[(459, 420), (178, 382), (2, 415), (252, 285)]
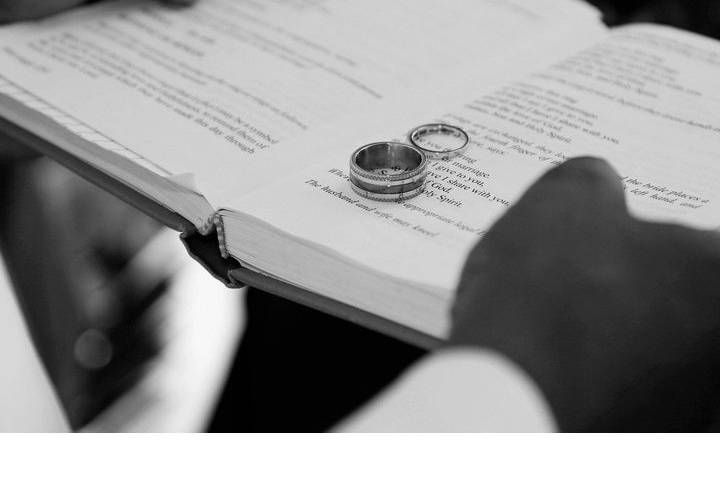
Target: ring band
[(388, 171), (445, 129)]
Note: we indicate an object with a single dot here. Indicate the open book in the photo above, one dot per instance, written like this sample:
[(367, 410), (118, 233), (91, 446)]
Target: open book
[(240, 117)]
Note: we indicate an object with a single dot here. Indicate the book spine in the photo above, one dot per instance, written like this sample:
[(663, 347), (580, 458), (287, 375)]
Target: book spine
[(207, 246), (208, 226), (220, 230), (214, 225)]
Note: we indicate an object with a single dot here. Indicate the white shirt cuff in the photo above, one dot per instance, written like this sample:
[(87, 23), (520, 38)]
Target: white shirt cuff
[(457, 390)]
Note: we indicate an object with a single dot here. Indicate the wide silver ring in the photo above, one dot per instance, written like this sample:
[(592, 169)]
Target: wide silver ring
[(443, 128), (388, 171)]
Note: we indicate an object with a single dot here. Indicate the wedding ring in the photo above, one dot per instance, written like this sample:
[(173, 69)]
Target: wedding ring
[(434, 150), (388, 171)]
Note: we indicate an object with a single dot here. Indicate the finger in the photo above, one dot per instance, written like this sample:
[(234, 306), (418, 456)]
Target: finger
[(16, 10), (579, 203), (582, 182), (572, 218), (583, 195)]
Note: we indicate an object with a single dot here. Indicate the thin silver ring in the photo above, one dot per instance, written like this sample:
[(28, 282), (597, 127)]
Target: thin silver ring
[(446, 129), (388, 171)]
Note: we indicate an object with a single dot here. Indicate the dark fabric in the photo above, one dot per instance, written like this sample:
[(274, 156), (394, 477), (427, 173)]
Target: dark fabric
[(700, 16), (205, 249), (299, 370)]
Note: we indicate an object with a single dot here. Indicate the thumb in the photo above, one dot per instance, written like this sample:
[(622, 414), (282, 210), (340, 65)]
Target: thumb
[(579, 200), (577, 207), (588, 184)]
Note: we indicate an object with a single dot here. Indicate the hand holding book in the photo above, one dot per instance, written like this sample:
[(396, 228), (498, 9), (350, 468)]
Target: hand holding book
[(240, 119), (615, 318)]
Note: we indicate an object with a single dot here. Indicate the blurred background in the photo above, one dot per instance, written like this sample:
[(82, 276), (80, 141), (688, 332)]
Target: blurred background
[(135, 336)]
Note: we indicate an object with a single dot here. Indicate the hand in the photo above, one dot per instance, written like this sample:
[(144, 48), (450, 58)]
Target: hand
[(89, 305), (616, 319)]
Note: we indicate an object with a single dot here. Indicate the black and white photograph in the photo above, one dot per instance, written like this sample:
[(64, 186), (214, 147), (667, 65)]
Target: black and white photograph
[(297, 217)]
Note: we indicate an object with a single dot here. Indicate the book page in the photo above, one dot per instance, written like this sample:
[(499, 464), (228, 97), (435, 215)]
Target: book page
[(206, 90), (646, 99)]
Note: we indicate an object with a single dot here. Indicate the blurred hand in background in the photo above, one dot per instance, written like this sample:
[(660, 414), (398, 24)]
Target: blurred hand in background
[(68, 245)]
